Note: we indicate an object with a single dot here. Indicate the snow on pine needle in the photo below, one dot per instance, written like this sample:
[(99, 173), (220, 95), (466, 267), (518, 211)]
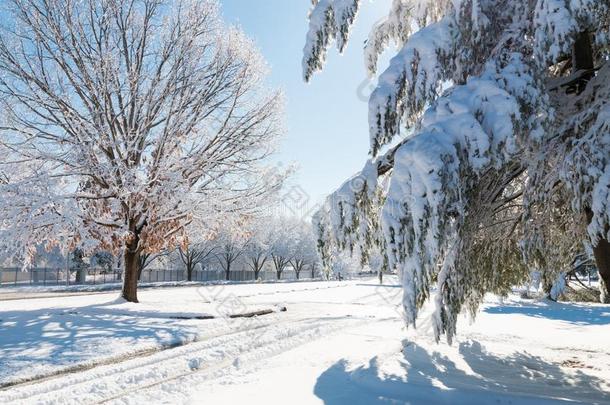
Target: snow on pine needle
[(485, 176), (474, 127), (413, 78), (329, 21)]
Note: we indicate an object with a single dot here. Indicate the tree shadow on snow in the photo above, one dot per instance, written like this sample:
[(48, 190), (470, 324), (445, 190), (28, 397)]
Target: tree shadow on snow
[(432, 378), (33, 341), (577, 314)]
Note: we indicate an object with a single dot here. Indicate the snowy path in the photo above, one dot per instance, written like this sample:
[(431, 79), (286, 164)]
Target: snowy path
[(338, 343)]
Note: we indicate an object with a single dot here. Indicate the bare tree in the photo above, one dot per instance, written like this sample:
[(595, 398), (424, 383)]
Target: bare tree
[(136, 116), (303, 247), (280, 261), (258, 254), (146, 259), (195, 254), (313, 267), (258, 249), (232, 247), (281, 247), (298, 264)]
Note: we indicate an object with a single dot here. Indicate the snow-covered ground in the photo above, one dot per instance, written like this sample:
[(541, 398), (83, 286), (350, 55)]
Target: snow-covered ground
[(337, 343)]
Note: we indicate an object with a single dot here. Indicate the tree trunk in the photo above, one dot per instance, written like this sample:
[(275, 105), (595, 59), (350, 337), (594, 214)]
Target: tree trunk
[(582, 53), (132, 267), (601, 253), (582, 58), (602, 260), (228, 271), (189, 272), (78, 278), (547, 284)]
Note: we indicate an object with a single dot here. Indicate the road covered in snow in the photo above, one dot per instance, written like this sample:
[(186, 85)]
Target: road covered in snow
[(336, 343)]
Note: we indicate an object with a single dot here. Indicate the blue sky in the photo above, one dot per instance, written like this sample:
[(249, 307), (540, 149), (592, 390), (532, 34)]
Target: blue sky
[(326, 119)]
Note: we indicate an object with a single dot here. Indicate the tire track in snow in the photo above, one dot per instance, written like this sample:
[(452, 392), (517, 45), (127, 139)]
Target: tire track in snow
[(144, 352), (80, 367), (203, 359), (285, 340), (127, 362)]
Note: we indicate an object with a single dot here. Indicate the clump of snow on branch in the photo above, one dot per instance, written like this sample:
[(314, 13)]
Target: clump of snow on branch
[(394, 28), (404, 17), (557, 22), (413, 78), (349, 218), (473, 128), (329, 20)]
